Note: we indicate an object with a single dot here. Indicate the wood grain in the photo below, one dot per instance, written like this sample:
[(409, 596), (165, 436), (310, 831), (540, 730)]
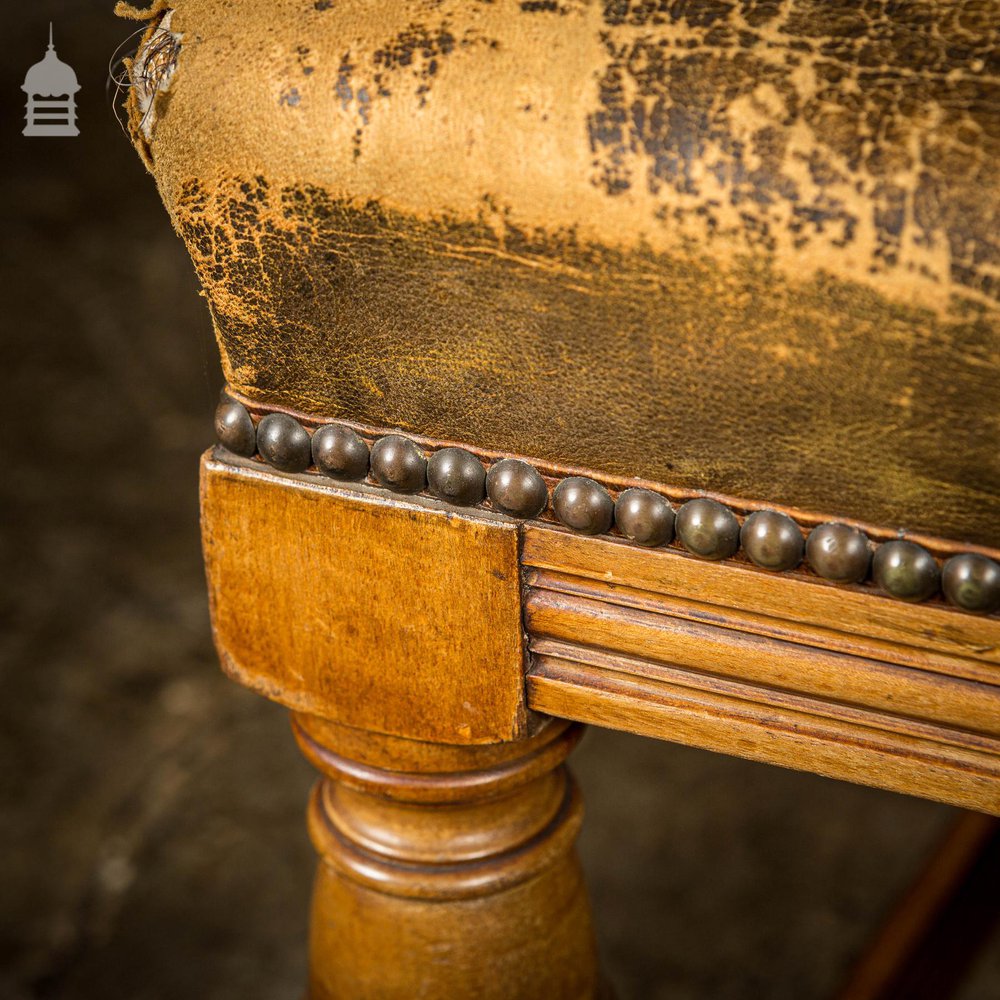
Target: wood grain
[(658, 638), (447, 871), (743, 727), (853, 614), (395, 616), (775, 668)]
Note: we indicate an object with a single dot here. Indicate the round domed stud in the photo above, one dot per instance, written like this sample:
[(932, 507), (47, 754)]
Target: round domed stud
[(772, 540), (644, 517), (906, 570), (517, 489), (707, 529), (972, 582), (583, 505), (284, 443), (456, 475), (398, 464), (234, 428), (839, 552), (340, 453)]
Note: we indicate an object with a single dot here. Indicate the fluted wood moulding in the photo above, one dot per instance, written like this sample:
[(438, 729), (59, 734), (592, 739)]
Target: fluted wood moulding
[(458, 625)]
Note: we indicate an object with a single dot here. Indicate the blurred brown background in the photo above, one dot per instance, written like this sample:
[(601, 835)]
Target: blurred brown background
[(152, 812)]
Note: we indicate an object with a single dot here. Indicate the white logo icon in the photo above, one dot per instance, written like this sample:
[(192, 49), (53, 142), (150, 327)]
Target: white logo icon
[(51, 87)]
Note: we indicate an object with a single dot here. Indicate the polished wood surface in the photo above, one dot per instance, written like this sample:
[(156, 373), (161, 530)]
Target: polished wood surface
[(445, 818), (794, 605), (397, 616), (403, 616), (783, 669), (446, 871)]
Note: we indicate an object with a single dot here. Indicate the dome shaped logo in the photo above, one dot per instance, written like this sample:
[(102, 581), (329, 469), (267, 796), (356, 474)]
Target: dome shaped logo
[(51, 86)]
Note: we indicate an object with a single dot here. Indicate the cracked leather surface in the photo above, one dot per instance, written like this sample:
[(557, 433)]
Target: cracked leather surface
[(748, 247)]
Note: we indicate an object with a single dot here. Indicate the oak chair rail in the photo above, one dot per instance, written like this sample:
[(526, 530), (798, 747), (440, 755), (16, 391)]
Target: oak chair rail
[(786, 670), (526, 618)]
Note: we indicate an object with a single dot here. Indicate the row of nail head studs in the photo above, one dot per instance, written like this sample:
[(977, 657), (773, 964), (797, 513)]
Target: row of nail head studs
[(705, 527)]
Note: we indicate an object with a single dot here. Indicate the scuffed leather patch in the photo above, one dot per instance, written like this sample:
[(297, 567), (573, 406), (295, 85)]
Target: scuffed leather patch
[(819, 394), (867, 127), (746, 246), (856, 140)]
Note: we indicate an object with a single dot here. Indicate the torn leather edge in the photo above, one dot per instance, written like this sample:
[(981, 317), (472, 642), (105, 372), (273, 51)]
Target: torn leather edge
[(150, 71)]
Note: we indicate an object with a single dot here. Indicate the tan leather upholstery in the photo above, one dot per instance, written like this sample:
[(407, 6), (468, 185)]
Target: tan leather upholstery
[(747, 247)]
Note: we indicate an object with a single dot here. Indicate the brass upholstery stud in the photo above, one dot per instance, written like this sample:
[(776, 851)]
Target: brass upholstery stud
[(456, 475), (645, 517), (707, 529), (583, 505), (906, 570), (234, 428), (839, 552), (340, 453), (516, 488), (398, 464), (284, 443), (972, 582), (772, 540)]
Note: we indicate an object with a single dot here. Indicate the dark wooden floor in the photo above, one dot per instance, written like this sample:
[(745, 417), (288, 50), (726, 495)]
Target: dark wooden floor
[(152, 813)]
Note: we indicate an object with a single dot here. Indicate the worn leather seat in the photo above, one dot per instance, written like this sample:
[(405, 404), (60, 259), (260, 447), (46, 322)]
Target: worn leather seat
[(742, 247), (745, 249)]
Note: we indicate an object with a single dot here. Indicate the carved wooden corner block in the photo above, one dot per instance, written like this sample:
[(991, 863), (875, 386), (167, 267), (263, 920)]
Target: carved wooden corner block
[(394, 615)]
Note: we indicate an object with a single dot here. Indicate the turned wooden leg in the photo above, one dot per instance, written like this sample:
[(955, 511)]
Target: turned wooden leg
[(446, 871), (444, 816)]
